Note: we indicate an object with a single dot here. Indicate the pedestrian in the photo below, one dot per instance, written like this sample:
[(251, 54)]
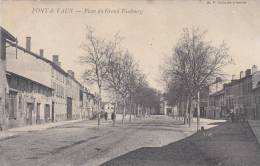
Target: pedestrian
[(113, 117), (232, 115), (105, 115)]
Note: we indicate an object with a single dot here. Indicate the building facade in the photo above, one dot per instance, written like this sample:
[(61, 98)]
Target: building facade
[(59, 97), (4, 37), (216, 108), (36, 90), (256, 93), (28, 99)]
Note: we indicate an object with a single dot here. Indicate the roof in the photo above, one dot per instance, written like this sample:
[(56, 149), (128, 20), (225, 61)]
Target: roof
[(11, 73), (220, 92), (74, 79), (54, 65), (5, 34), (236, 81)]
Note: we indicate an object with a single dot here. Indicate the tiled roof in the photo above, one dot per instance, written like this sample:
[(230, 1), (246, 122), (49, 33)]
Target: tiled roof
[(54, 65)]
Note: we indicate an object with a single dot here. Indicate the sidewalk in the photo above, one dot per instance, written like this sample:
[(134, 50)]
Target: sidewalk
[(15, 131), (255, 126)]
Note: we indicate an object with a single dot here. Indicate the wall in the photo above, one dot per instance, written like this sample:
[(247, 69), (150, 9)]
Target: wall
[(58, 82), (2, 90), (73, 91), (24, 92)]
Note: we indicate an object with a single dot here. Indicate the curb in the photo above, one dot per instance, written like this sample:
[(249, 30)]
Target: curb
[(31, 128), (3, 138), (254, 132)]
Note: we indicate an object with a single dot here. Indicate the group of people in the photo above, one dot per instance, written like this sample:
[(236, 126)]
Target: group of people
[(105, 115), (240, 117)]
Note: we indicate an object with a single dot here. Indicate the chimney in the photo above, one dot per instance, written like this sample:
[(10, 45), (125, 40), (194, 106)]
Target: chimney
[(71, 73), (55, 59), (248, 72), (241, 74), (254, 68), (28, 43), (41, 52)]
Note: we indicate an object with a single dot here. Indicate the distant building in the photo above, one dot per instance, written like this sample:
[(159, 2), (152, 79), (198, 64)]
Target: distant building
[(166, 108), (241, 94), (216, 108), (256, 93), (108, 107), (216, 102)]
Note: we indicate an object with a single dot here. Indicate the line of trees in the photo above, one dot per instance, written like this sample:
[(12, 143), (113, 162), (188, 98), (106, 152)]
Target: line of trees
[(193, 65), (112, 68)]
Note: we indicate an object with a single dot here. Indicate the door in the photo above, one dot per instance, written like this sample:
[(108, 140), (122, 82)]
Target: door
[(12, 105), (47, 113), (52, 111), (29, 110), (38, 121), (69, 108)]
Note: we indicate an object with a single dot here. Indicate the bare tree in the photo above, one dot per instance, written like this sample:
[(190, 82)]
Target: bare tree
[(120, 76), (98, 52), (195, 63)]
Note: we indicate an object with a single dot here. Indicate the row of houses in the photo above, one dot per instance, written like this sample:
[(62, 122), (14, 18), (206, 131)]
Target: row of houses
[(181, 108), (240, 96), (35, 90)]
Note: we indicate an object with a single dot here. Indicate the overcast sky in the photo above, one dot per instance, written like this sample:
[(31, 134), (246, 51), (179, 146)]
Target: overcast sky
[(149, 34)]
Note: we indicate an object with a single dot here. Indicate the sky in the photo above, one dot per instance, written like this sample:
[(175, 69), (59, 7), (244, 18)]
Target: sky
[(150, 34)]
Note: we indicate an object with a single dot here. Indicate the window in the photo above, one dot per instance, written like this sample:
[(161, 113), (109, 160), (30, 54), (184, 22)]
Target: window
[(20, 102), (3, 51)]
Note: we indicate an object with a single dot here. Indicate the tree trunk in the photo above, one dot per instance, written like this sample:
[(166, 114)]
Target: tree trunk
[(99, 105), (186, 119), (198, 112), (138, 113), (130, 117), (123, 115), (141, 113), (189, 111)]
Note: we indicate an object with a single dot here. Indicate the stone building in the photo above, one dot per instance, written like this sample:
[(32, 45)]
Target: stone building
[(256, 93), (4, 37), (28, 100), (36, 90), (216, 108), (58, 83), (74, 97), (239, 96)]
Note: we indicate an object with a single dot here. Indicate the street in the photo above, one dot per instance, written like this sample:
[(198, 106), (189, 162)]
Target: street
[(156, 140), (82, 143), (227, 144)]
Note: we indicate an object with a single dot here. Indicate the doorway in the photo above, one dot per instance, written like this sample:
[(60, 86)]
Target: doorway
[(29, 110), (38, 120), (69, 108)]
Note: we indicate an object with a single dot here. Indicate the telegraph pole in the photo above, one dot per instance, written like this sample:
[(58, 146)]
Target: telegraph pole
[(198, 111)]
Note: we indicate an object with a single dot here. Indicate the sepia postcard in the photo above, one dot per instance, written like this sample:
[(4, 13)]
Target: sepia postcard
[(130, 83)]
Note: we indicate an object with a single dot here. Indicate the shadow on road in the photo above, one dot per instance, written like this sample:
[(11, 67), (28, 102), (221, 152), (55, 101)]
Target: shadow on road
[(227, 144)]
